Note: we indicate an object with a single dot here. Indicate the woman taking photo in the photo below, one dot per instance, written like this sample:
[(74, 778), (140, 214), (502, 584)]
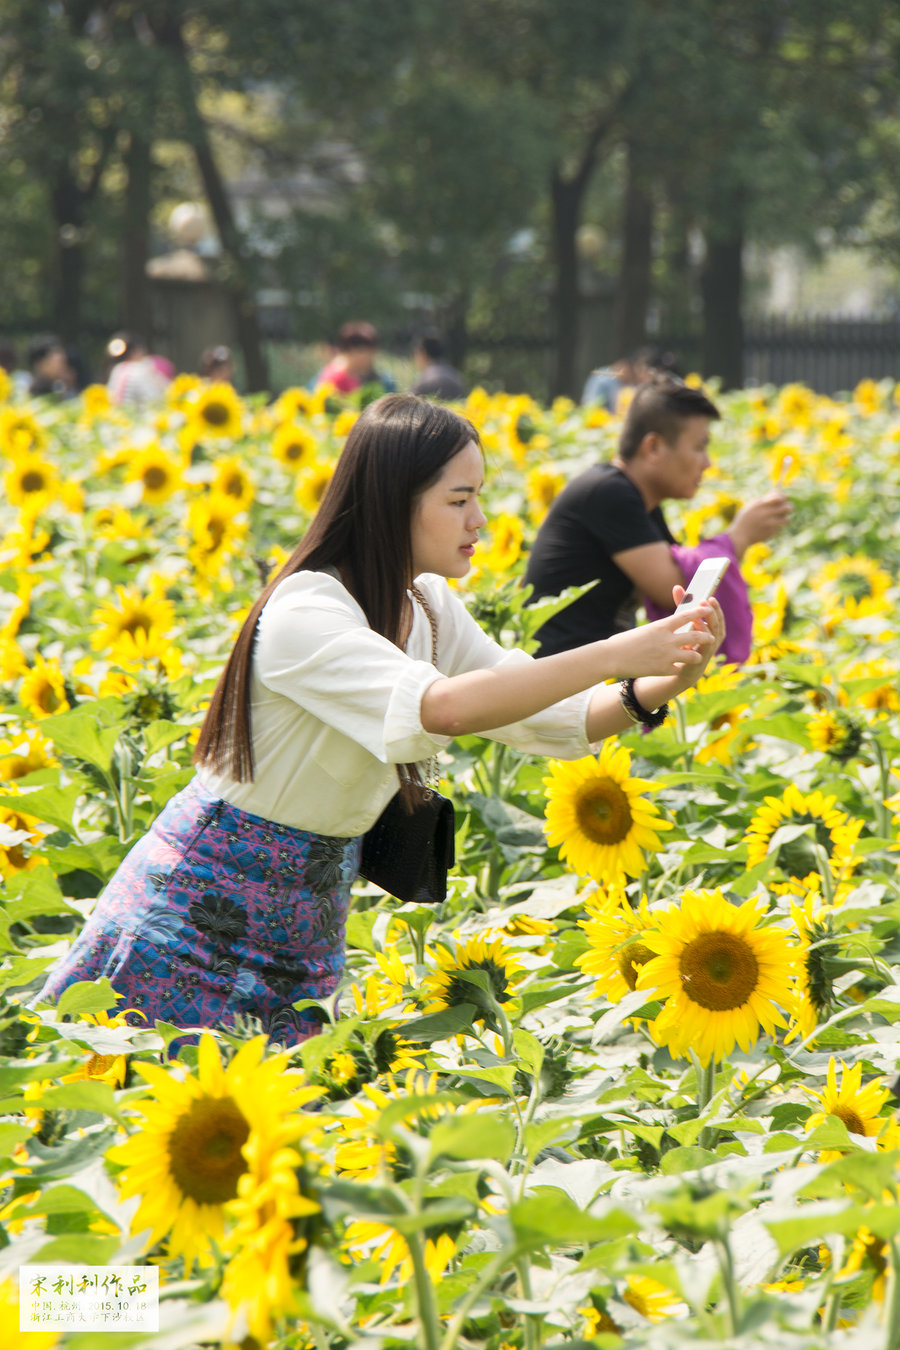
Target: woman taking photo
[(235, 901)]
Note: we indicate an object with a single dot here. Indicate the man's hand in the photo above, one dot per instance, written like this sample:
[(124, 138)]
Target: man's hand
[(759, 520)]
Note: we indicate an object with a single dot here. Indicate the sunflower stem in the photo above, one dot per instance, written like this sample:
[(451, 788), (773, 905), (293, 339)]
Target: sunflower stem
[(892, 1301), (882, 812), (532, 1321), (486, 1279), (428, 1318), (726, 1267), (832, 1309)]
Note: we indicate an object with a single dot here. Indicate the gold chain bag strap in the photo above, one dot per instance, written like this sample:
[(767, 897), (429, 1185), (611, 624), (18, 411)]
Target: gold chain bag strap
[(408, 852)]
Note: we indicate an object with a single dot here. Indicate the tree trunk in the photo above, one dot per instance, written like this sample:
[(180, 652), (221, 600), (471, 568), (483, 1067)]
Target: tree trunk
[(236, 279), (722, 286), (68, 215), (566, 195), (135, 303), (633, 291)]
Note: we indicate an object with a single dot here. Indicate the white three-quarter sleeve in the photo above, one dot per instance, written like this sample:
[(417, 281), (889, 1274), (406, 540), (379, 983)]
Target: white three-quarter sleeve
[(314, 648), (560, 730)]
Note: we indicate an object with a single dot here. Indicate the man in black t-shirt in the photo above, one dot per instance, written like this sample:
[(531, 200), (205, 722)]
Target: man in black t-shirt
[(607, 524)]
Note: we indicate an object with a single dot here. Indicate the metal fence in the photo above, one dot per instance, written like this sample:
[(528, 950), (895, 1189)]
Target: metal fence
[(830, 354)]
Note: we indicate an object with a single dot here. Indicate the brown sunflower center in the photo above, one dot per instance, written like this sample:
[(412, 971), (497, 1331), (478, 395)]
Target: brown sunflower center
[(293, 450), (47, 698), (33, 481), (205, 1150), (98, 1065), (132, 623), (719, 971), (233, 486), (603, 812), (216, 414), (155, 477), (217, 528), (850, 1118), (630, 959)]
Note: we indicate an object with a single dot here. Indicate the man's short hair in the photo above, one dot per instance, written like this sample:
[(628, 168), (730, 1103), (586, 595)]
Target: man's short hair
[(431, 345), (357, 334), (40, 347), (662, 405)]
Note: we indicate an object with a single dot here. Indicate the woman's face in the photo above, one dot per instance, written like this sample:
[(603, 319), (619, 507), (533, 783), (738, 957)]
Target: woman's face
[(446, 518)]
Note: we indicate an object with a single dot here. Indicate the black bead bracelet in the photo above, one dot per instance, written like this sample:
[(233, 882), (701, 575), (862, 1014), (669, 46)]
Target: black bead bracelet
[(636, 711)]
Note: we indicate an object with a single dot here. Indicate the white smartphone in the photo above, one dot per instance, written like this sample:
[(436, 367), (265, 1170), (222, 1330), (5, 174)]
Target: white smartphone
[(702, 586)]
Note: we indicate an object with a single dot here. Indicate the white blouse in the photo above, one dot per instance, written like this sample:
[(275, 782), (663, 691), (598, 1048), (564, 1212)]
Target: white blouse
[(334, 707)]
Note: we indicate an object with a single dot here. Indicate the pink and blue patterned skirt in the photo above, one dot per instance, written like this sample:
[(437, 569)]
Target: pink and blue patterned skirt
[(217, 913)]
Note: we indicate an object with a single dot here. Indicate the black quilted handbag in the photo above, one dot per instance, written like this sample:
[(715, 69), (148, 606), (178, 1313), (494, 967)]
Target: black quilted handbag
[(408, 853)]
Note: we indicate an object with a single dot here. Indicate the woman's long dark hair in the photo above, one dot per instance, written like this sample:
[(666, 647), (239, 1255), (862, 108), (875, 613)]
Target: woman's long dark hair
[(396, 449)]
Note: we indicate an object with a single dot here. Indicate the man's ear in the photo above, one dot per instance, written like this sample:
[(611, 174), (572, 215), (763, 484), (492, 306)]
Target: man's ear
[(650, 447)]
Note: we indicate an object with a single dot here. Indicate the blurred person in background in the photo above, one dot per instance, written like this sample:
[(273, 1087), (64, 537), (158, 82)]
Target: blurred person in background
[(216, 364), (604, 386), (353, 366), (51, 372), (437, 378), (135, 376)]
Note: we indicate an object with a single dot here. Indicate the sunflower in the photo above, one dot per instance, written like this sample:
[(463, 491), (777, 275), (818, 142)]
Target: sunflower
[(216, 412), (11, 1338), (447, 989), (597, 1320), (824, 826), (597, 816), (544, 486), (870, 1256), (20, 434), (43, 689), (816, 967), (722, 973), (157, 472), (885, 696), (390, 1251), (17, 832), (31, 481), (217, 532), (181, 390), (835, 733), (650, 1298), (855, 586), (858, 1107), (271, 1210), (233, 481), (507, 533), (312, 484), (868, 398), (617, 948), (200, 1137), (344, 422), (291, 402), (95, 402), (294, 446), (25, 754), (114, 522), (131, 615), (795, 403)]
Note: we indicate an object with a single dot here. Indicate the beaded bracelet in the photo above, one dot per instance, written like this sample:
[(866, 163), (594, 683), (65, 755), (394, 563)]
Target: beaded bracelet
[(636, 711)]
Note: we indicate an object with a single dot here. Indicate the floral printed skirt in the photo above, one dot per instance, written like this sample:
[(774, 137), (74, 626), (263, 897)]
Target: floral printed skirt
[(215, 913)]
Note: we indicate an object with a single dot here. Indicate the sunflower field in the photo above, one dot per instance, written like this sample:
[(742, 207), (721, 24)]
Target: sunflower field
[(632, 1085)]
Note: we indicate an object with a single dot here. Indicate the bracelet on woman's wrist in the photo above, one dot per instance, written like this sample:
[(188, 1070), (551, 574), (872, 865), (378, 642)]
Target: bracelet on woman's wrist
[(636, 711)]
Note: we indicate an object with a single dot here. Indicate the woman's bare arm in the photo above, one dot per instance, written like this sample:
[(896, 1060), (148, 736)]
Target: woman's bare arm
[(482, 699)]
